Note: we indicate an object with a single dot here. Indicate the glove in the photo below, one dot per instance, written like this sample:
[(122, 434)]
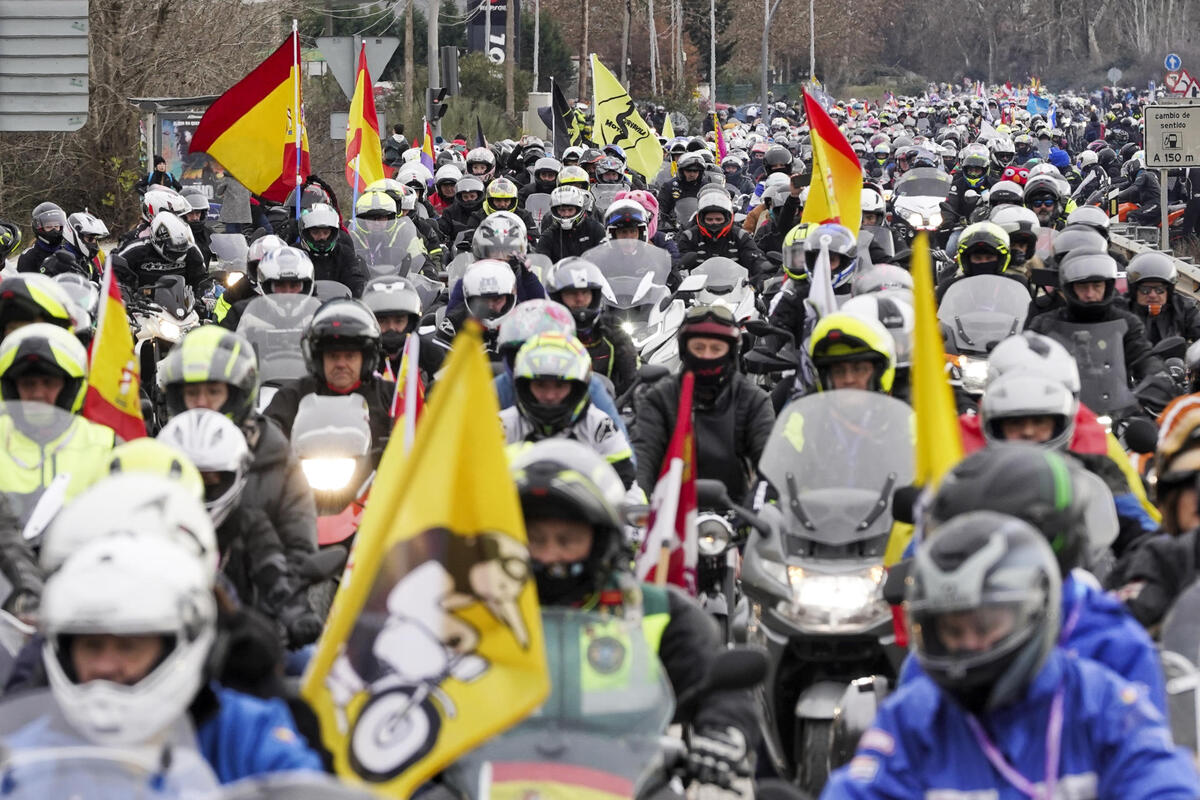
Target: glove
[(302, 624), (24, 606), (717, 756)]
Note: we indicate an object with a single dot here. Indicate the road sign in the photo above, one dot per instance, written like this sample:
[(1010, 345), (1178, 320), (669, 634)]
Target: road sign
[(1172, 136), (1181, 84), (341, 54), (1172, 62), (1114, 75)]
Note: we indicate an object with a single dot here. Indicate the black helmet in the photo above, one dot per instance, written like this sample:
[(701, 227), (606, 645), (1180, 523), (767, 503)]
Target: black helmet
[(563, 479), (777, 159), (983, 603), (341, 324), (715, 322), (1032, 483), (577, 273)]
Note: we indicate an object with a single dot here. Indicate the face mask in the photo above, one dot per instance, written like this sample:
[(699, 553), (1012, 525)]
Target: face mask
[(392, 342), (561, 584), (708, 371), (53, 238)]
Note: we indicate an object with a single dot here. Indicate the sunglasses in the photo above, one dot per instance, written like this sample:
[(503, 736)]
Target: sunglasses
[(1147, 290), (1046, 203)]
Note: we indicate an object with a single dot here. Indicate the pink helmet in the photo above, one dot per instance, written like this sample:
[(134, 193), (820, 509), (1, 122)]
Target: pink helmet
[(647, 201)]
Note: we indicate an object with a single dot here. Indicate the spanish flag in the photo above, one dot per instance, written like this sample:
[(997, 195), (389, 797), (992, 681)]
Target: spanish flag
[(835, 193), (251, 129), (114, 380), (434, 643), (618, 122), (364, 154)]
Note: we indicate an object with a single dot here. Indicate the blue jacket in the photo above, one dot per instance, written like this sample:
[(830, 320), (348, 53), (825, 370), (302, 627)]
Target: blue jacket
[(1106, 633), (249, 736), (507, 394), (1115, 744)]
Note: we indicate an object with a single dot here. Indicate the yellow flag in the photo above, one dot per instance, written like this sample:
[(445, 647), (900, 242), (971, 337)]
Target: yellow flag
[(668, 129), (618, 122), (939, 438), (434, 643)]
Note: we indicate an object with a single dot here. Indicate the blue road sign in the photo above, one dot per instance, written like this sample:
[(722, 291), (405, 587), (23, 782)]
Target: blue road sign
[(1172, 62)]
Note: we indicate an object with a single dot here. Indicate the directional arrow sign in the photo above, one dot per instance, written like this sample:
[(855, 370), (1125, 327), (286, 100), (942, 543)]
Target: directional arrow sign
[(341, 54), (1172, 62)]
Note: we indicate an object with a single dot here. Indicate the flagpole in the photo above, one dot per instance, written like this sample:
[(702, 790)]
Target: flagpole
[(296, 104), (553, 121)]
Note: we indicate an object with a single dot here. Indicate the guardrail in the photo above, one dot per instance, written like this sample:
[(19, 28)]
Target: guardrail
[(1134, 239)]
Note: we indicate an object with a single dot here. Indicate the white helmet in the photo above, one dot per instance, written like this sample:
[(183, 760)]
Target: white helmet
[(484, 156), (133, 584), (447, 173), (131, 502), (215, 445), (567, 196), (1028, 393), (320, 215), (1034, 352), (485, 280), (286, 264), (872, 202), (259, 248), (170, 236), (415, 175), (162, 198)]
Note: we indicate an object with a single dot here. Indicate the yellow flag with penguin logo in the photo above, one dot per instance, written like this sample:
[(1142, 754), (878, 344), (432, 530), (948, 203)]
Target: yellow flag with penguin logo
[(434, 643), (618, 122)]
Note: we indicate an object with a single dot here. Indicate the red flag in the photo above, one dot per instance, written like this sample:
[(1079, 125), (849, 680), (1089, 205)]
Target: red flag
[(251, 129), (113, 394), (672, 525), (835, 194), (364, 153)]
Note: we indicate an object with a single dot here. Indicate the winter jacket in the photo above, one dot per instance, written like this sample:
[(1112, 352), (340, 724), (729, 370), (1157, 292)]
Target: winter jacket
[(144, 265), (341, 264), (376, 391), (1179, 316), (278, 486), (557, 244), (243, 736), (613, 354), (235, 200), (695, 247)]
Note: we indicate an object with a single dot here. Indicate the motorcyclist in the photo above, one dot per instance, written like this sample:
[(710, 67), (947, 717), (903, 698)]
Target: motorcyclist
[(248, 287), (501, 195), (489, 293), (972, 176), (552, 375), (801, 249), (502, 236), (333, 258), (216, 369), (455, 221), (578, 284), (545, 178), (881, 155), (1151, 278), (377, 231), (653, 236), (49, 223), (397, 308), (714, 234), (341, 352), (1022, 227), (167, 250), (568, 230), (158, 199), (570, 500), (196, 220), (734, 167), (82, 235), (283, 270), (407, 199), (687, 182), (849, 352), (25, 299), (444, 181), (982, 250), (1003, 152), (733, 417), (983, 602), (1043, 196), (481, 164), (1142, 188), (252, 555)]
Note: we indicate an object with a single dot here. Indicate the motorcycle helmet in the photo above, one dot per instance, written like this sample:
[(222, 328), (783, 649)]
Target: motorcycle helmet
[(1152, 265), (415, 177), (130, 585), (574, 176), (1022, 393), (1022, 228), (311, 194), (389, 186), (88, 231), (564, 479), (872, 202), (1002, 152), (529, 319), (1091, 217), (571, 156), (258, 250), (983, 238), (841, 244), (44, 349), (881, 278), (777, 159), (624, 215), (321, 216), (795, 252), (1077, 239), (1005, 193), (170, 236), (501, 235), (10, 239), (84, 301), (212, 354), (218, 450), (289, 264), (882, 153), (481, 164), (150, 457), (974, 162), (49, 223), (500, 195), (710, 203), (1042, 188), (391, 296), (1034, 352), (610, 170), (559, 358), (341, 324), (578, 274), (1030, 483), (690, 162), (197, 204), (446, 177), (490, 291), (545, 172), (468, 193), (1023, 147), (840, 337), (375, 210), (893, 310), (566, 206), (710, 322), (27, 297), (993, 573)]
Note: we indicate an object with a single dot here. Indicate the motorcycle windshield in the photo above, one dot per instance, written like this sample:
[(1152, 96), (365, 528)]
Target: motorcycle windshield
[(979, 311), (385, 252), (726, 282), (427, 288), (598, 731), (230, 250), (685, 209), (635, 270), (458, 267), (538, 206), (835, 458), (923, 182), (329, 427), (171, 293), (274, 325), (603, 195)]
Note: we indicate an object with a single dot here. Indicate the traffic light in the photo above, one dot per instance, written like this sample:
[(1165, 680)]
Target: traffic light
[(435, 103)]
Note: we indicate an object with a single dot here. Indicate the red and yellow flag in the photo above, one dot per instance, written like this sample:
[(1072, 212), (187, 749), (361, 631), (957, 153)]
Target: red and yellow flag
[(251, 129), (364, 154), (114, 379), (835, 194)]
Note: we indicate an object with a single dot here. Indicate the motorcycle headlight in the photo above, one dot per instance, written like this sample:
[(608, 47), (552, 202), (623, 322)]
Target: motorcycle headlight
[(974, 374), (714, 534), (935, 220), (232, 278), (627, 326), (169, 330), (825, 603), (328, 474)]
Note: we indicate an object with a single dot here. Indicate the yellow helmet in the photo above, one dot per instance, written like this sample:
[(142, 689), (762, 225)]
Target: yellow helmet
[(148, 456), (500, 189), (44, 349), (795, 263), (841, 337)]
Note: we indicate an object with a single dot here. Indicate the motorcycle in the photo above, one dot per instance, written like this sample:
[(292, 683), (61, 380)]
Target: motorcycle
[(603, 195), (815, 580), (917, 201), (538, 206), (636, 274), (160, 315), (229, 259), (975, 314), (274, 325), (386, 252)]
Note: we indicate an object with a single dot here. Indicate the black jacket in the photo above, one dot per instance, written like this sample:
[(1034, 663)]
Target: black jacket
[(730, 434), (1144, 190), (1158, 571), (957, 201), (557, 244), (31, 260), (456, 219), (144, 265), (695, 247), (1180, 316), (278, 486), (253, 557), (673, 190), (342, 265), (613, 354), (376, 391), (1139, 361), (769, 238)]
